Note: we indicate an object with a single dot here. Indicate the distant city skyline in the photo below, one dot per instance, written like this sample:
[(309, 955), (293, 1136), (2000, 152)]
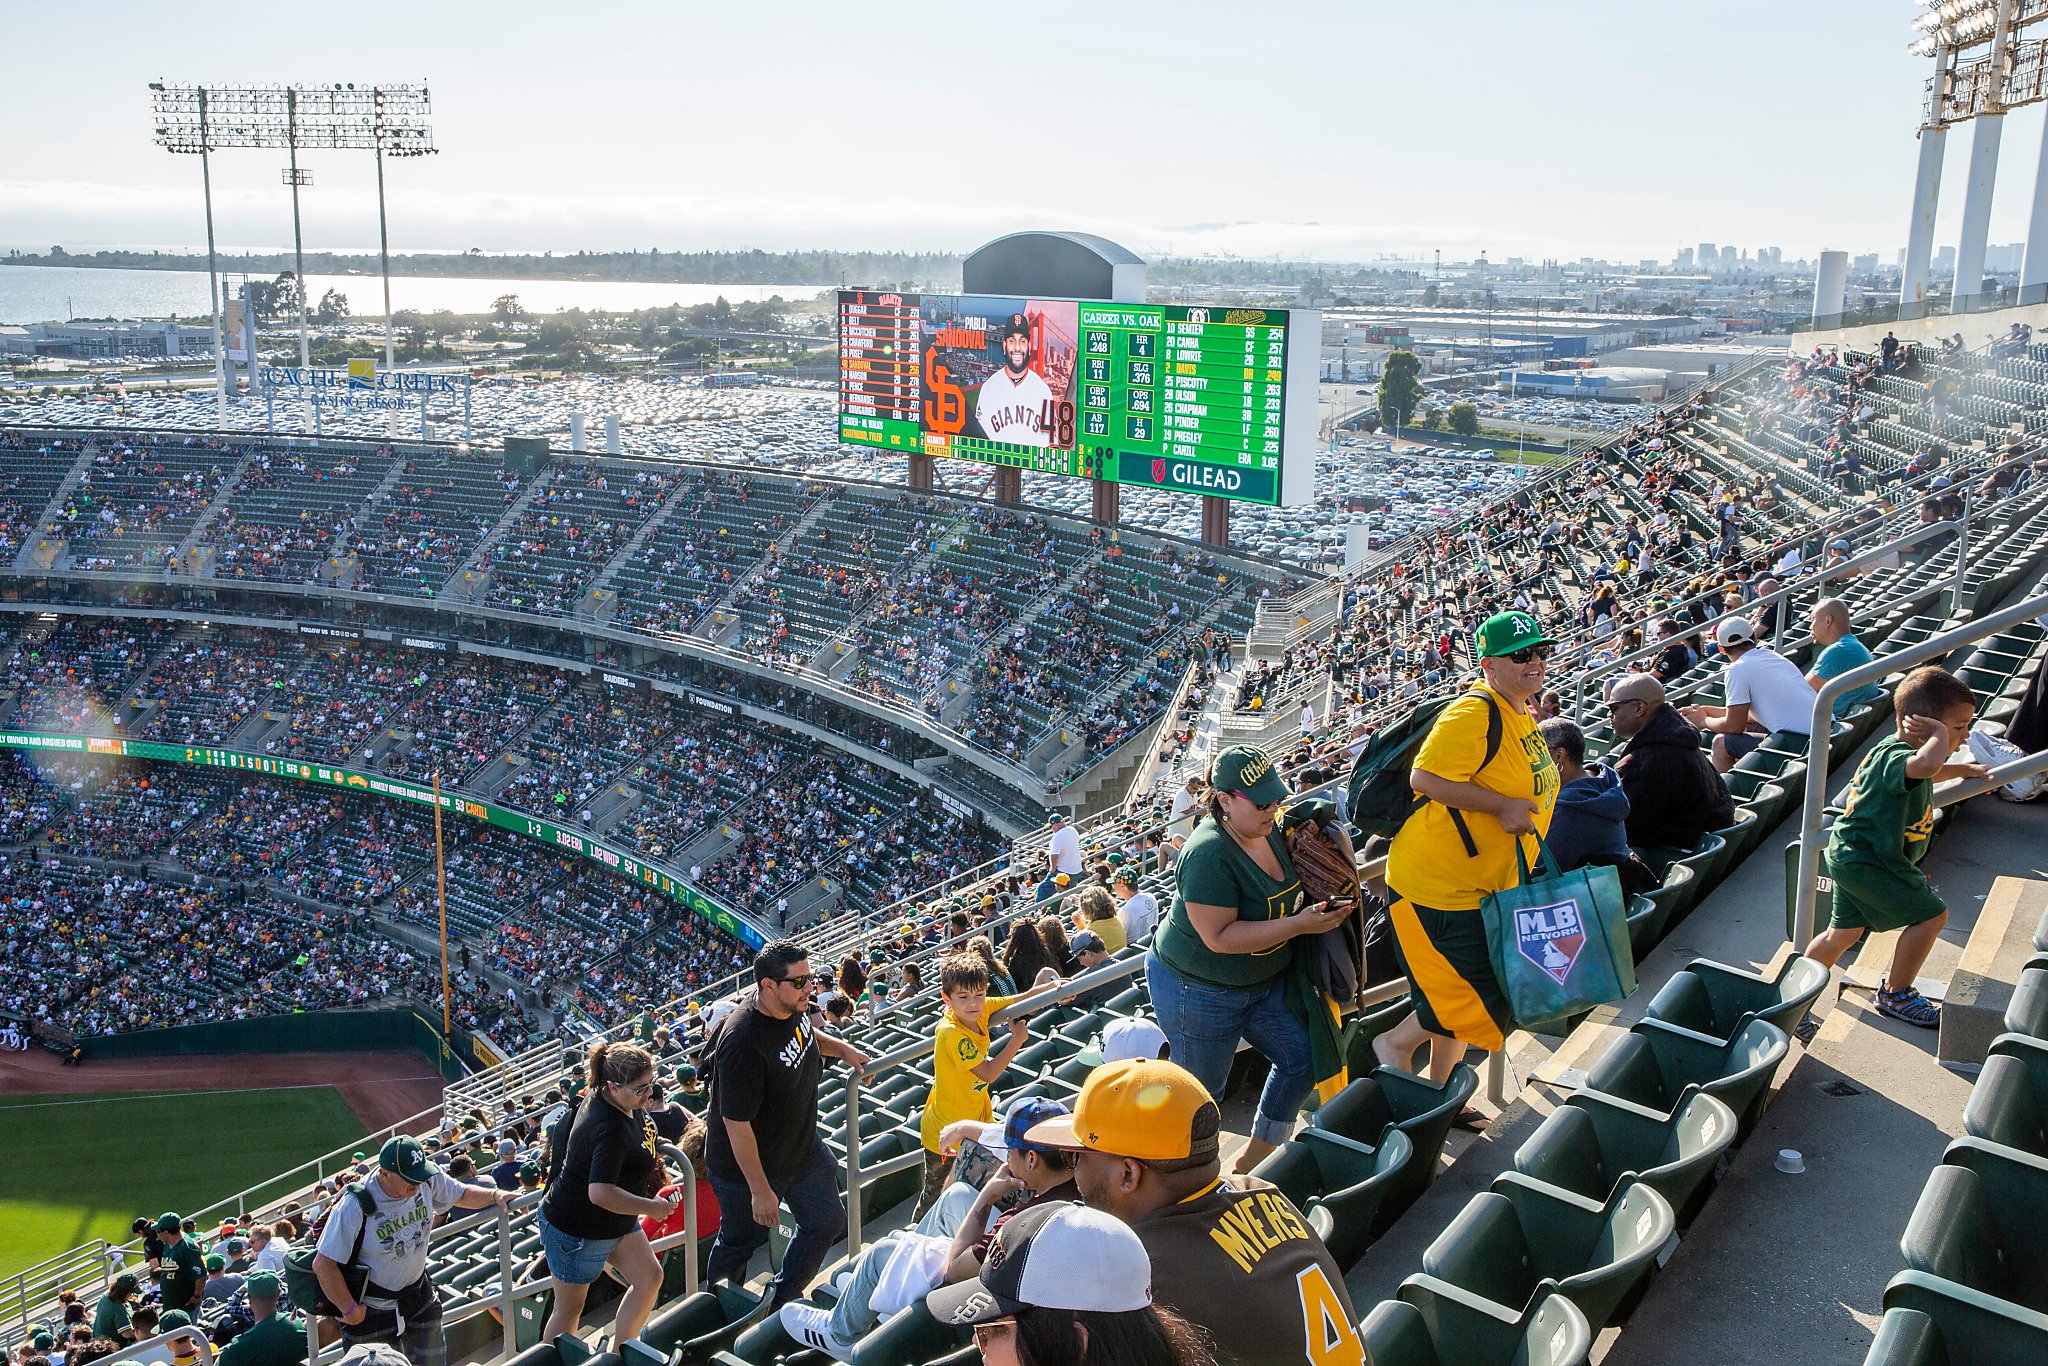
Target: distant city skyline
[(1322, 130)]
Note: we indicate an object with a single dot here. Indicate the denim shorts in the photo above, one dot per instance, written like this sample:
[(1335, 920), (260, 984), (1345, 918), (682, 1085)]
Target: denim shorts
[(571, 1260)]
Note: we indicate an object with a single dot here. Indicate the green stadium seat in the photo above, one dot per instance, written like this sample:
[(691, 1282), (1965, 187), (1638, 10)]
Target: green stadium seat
[(910, 1337), (1592, 1145), (2028, 1011), (1434, 1324), (1645, 925), (1388, 1098), (703, 1323), (2009, 1103), (1523, 1240), (1706, 862), (1974, 1328), (1717, 1000), (1744, 835), (1657, 1066), (1978, 1223), (1339, 1183), (2041, 934), (574, 1351)]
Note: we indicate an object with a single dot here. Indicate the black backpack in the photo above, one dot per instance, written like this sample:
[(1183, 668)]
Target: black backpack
[(304, 1285), (1379, 799)]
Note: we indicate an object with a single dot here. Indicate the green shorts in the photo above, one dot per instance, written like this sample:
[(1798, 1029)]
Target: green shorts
[(1876, 896), (1451, 972)]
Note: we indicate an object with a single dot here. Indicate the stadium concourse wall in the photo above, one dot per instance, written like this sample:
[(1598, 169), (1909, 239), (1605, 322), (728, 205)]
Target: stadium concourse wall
[(619, 861), (318, 1031)]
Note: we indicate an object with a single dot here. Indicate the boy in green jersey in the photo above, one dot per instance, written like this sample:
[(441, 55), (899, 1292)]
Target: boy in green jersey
[(1874, 850)]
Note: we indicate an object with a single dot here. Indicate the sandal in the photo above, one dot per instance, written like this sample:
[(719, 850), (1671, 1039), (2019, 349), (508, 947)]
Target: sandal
[(1471, 1120), (1910, 1006)]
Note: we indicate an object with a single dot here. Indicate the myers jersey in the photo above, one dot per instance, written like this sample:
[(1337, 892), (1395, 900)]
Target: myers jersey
[(1239, 1260), (1014, 410)]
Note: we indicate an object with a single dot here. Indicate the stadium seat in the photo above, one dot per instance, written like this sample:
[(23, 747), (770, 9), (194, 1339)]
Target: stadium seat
[(2009, 1103), (1389, 1098), (1973, 1327), (1645, 925), (910, 1337), (1434, 1324), (574, 1351), (1978, 1223), (1717, 1000), (1657, 1066), (2027, 1013), (1523, 1239), (1592, 1145), (706, 1322), (1338, 1183)]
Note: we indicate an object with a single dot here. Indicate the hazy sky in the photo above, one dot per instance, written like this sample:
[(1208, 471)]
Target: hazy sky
[(1335, 130)]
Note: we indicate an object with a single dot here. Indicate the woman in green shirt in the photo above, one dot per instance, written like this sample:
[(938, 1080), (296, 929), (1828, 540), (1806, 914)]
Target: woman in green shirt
[(1218, 964)]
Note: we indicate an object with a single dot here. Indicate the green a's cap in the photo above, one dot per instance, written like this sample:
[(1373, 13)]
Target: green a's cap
[(359, 1157), (262, 1285), (216, 1262), (407, 1158), (177, 1318), (169, 1222), (126, 1283), (42, 1341), (529, 1171), (1503, 633), (686, 1073), (1246, 769)]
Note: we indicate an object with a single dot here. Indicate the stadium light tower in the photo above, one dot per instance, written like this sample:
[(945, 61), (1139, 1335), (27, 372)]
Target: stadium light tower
[(382, 119)]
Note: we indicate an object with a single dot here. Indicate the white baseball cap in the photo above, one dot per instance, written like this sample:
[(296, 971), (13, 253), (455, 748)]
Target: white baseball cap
[(1132, 1036), (1052, 1256), (1734, 630)]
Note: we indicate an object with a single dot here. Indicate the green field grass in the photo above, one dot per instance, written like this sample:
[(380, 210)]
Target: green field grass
[(82, 1167)]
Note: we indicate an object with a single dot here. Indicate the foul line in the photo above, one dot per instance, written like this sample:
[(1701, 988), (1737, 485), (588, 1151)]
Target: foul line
[(176, 1095)]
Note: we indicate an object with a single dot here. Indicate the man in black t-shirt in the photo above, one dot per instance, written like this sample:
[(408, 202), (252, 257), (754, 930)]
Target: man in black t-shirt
[(764, 1149)]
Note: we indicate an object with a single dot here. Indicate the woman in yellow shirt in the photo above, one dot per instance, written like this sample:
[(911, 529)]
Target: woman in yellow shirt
[(1490, 784)]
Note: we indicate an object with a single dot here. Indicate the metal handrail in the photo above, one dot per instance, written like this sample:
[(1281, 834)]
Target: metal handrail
[(1806, 889)]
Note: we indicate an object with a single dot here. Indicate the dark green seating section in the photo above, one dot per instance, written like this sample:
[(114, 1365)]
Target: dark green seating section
[(1713, 999), (1599, 1190), (1339, 1183), (1388, 1099), (1975, 1287)]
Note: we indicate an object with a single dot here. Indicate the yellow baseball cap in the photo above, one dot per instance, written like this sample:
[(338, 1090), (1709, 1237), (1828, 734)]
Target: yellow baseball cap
[(1146, 1108)]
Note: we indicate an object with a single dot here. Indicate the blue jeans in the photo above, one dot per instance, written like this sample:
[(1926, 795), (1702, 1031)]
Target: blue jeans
[(813, 1199), (852, 1320), (1204, 1023)]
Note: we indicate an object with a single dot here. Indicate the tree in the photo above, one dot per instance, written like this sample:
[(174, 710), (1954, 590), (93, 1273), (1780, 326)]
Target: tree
[(1430, 295), (1465, 419), (1400, 391), (333, 307), (506, 307), (1428, 418)]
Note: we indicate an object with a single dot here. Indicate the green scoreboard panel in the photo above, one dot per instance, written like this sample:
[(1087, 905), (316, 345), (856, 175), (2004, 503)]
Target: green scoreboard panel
[(1207, 400)]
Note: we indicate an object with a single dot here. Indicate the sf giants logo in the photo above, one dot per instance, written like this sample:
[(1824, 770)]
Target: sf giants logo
[(945, 405)]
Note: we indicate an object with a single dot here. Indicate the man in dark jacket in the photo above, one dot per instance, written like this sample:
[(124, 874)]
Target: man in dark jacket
[(1674, 794)]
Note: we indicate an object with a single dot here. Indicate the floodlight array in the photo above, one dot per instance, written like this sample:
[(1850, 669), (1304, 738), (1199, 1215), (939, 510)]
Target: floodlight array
[(206, 118)]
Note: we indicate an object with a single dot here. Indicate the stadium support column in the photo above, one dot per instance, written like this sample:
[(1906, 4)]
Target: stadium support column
[(1984, 138), (922, 475), (213, 290), (2034, 269), (1108, 501), (1009, 485), (1215, 521), (1920, 232)]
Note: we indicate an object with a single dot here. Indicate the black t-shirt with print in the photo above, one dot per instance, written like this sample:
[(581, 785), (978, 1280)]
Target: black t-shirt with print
[(766, 1074), (606, 1147)]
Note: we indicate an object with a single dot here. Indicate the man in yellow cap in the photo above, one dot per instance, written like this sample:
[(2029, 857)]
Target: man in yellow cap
[(1236, 1257)]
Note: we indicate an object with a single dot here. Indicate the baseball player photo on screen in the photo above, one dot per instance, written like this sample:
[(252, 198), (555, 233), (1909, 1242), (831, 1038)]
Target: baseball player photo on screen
[(1000, 369)]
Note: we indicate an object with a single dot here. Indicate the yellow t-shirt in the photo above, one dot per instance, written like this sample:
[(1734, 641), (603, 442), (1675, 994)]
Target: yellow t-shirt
[(958, 1048), (1428, 862), (1111, 932)]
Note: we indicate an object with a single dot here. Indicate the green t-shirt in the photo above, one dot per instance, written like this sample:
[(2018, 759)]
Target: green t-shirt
[(1889, 816), (276, 1341), (110, 1317), (183, 1273), (1216, 871)]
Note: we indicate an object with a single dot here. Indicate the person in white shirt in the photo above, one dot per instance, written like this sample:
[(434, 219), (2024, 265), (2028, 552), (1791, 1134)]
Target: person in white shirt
[(1064, 848), (268, 1249), (1766, 693), (1187, 809), (1136, 911), (1308, 720)]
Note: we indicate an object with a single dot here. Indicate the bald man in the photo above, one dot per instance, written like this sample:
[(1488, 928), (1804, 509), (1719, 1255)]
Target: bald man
[(1840, 652), (1674, 794)]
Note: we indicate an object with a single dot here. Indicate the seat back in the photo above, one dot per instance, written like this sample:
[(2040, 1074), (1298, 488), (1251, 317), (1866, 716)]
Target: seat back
[(909, 1337), (1953, 1234), (1344, 1217), (1485, 1251), (2004, 1108), (2028, 1011), (2010, 1191), (1907, 1337), (1469, 1331), (1566, 1152), (1975, 1327)]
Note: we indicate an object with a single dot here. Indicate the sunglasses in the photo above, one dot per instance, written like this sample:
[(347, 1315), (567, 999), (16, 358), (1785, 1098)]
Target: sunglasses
[(808, 979), (1618, 703), (645, 1088), (985, 1333), (1523, 656), (1262, 806)]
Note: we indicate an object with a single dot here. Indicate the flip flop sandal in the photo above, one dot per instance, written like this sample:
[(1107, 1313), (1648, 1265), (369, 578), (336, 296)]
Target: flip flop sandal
[(1471, 1120)]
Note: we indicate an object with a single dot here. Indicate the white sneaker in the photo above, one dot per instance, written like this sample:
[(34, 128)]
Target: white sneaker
[(812, 1327)]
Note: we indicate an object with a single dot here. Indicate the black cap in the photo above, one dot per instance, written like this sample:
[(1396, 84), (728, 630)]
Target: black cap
[(1017, 326)]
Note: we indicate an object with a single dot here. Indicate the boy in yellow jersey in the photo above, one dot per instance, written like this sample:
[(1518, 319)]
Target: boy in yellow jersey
[(963, 1064)]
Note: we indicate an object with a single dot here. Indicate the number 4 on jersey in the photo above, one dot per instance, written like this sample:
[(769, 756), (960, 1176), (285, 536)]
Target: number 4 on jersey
[(1331, 1338)]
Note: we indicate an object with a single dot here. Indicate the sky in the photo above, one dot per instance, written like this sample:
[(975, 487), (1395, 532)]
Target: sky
[(1346, 131)]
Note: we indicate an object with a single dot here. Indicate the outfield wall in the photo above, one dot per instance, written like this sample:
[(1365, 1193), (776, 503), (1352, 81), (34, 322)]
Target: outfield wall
[(320, 1031)]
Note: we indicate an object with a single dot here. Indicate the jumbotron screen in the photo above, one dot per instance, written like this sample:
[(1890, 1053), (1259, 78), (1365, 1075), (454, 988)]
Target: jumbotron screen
[(1195, 399)]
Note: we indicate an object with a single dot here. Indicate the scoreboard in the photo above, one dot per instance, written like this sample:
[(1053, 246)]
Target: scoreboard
[(1197, 399)]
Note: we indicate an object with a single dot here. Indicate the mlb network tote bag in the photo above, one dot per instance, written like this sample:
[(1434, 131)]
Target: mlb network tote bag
[(1559, 942)]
